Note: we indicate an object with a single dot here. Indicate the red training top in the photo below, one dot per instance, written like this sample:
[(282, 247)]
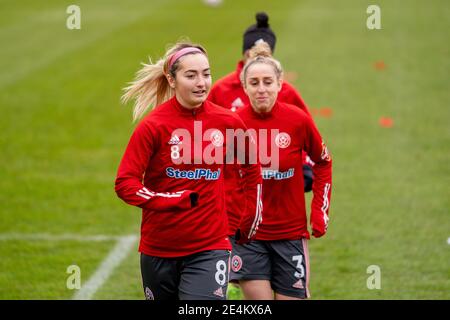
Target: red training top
[(229, 93), (167, 163), (283, 197)]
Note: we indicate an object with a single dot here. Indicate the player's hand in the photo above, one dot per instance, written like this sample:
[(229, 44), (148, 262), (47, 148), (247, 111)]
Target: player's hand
[(241, 238), (318, 232), (194, 199), (307, 177)]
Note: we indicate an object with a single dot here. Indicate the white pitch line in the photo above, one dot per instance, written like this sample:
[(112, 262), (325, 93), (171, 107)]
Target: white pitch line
[(448, 241), (61, 237), (115, 257), (117, 254)]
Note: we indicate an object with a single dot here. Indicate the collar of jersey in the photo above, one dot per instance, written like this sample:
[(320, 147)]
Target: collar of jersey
[(185, 111), (266, 115)]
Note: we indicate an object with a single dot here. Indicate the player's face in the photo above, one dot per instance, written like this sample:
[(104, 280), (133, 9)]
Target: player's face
[(262, 86), (193, 80)]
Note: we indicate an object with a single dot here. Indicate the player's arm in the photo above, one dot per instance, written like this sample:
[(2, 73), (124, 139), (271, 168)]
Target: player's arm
[(128, 184), (318, 152), (252, 187)]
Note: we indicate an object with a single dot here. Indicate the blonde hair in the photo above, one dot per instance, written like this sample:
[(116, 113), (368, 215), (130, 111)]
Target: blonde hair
[(151, 87), (261, 53)]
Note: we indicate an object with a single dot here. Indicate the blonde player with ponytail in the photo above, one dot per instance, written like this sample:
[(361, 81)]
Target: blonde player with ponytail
[(184, 246)]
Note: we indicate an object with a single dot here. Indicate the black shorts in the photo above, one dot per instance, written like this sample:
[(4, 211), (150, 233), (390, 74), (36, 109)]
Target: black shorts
[(200, 276), (284, 263)]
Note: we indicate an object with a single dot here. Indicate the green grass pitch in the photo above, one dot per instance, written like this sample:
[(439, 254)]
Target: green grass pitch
[(63, 131)]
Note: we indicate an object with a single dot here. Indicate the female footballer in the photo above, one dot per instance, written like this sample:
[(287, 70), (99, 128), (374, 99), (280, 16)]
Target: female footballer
[(167, 171), (276, 264)]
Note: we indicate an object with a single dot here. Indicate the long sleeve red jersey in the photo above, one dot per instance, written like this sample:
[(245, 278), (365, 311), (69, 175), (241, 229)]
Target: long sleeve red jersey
[(227, 92), (283, 199), (174, 156)]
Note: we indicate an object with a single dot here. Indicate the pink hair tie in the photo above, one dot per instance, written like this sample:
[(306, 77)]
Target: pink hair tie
[(177, 55)]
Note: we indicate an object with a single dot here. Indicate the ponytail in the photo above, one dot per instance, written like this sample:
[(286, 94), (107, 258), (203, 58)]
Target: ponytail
[(151, 87)]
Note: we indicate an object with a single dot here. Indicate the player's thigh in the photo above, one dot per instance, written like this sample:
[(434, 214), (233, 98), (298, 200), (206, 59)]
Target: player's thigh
[(256, 289), (290, 268), (250, 261), (205, 276)]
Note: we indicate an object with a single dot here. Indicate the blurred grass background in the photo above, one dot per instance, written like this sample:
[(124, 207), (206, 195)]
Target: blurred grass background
[(63, 132)]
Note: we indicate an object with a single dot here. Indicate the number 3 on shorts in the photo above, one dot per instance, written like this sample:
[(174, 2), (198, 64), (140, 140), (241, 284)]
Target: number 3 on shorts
[(220, 276), (299, 259)]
